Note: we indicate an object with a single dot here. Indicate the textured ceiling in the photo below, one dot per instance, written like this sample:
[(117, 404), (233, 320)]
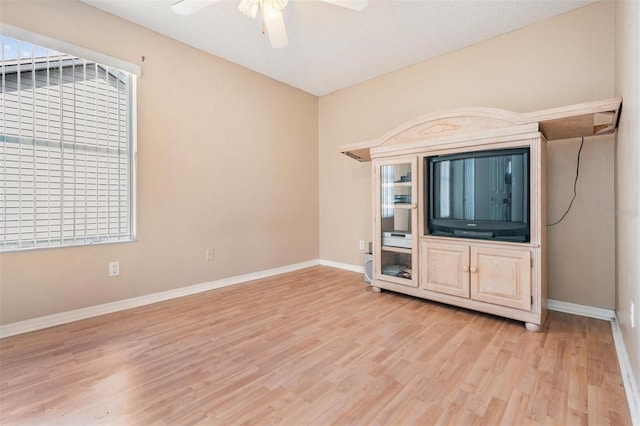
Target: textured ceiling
[(330, 47)]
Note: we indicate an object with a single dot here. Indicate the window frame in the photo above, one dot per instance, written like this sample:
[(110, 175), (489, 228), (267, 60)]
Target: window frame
[(133, 72)]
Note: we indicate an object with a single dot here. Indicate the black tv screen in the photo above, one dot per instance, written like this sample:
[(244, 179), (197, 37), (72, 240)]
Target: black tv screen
[(483, 194)]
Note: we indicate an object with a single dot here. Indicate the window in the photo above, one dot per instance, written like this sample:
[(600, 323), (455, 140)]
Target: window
[(66, 149)]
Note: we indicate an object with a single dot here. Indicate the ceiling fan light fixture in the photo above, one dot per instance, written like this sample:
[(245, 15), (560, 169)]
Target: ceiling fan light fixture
[(274, 22), (271, 13)]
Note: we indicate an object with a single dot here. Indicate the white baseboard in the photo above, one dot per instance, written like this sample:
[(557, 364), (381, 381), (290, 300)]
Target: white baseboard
[(345, 266), (107, 308), (582, 310), (628, 379)]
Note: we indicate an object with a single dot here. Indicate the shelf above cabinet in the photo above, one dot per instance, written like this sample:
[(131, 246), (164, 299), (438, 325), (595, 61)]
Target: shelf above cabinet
[(573, 121)]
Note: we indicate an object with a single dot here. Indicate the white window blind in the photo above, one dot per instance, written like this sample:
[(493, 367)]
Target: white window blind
[(65, 149)]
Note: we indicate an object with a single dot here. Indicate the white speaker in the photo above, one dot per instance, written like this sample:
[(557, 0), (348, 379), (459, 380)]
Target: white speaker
[(368, 267)]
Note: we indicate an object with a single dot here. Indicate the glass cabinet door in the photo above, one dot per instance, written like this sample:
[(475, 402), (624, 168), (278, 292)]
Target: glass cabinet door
[(396, 220)]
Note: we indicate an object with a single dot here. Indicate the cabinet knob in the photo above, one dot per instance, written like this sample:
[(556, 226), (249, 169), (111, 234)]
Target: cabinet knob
[(414, 206), (465, 268), (474, 269)]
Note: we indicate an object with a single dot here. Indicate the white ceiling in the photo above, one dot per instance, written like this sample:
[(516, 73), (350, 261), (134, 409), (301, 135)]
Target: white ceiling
[(330, 47)]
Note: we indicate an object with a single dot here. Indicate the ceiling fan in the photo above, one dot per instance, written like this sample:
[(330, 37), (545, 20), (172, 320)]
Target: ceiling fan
[(271, 13)]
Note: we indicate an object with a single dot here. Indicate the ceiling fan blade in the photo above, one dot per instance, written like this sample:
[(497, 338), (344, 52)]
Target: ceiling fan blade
[(350, 4), (187, 7), (274, 22)]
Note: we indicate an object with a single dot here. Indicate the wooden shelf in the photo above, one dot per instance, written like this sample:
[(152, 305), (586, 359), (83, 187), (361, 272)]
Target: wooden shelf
[(397, 249), (396, 184), (573, 121), (581, 120), (397, 206)]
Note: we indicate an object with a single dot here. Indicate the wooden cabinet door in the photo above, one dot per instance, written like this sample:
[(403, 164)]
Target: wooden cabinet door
[(444, 268), (501, 277)]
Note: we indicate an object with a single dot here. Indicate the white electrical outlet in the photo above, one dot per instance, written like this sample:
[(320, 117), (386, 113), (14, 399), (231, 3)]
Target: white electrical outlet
[(361, 245), (114, 269), (632, 314), (209, 254)]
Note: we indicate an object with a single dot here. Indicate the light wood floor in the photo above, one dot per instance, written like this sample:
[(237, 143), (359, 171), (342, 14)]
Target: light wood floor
[(311, 347)]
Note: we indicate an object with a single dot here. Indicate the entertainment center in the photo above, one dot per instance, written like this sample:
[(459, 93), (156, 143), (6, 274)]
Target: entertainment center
[(459, 200)]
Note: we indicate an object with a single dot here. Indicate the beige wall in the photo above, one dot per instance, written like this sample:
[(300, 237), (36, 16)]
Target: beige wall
[(561, 61), (227, 159), (628, 177)]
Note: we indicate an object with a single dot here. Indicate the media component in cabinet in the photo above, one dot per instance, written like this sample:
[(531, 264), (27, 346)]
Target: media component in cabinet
[(397, 239), (479, 194), (395, 221)]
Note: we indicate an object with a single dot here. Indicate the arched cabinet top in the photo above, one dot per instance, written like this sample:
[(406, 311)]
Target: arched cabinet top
[(587, 119)]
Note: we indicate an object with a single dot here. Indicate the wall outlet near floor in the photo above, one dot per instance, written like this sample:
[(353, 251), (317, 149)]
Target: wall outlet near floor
[(632, 314), (361, 245), (209, 254), (114, 269)]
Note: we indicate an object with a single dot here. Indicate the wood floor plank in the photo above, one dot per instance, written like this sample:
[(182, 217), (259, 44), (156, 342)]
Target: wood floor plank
[(314, 346)]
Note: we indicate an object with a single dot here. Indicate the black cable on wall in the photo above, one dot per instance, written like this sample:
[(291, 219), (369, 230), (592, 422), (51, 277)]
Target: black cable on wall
[(575, 184)]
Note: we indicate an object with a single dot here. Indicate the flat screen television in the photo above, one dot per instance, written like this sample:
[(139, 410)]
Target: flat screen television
[(482, 194)]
